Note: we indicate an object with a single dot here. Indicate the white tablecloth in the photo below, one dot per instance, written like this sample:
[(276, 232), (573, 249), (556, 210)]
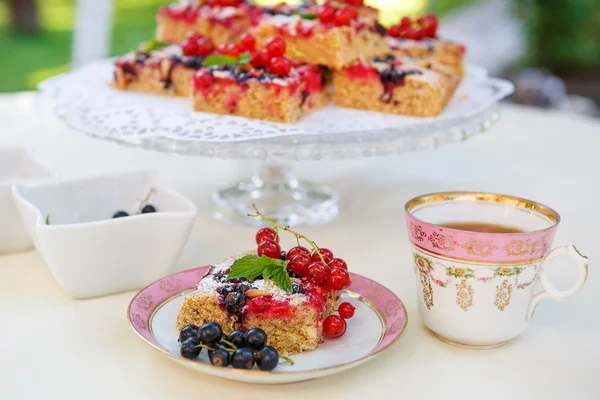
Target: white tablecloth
[(54, 347)]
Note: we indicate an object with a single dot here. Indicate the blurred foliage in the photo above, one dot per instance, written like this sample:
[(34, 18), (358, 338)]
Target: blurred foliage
[(28, 59), (562, 35)]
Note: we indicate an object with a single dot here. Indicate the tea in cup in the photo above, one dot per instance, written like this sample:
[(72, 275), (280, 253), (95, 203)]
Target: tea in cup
[(477, 257)]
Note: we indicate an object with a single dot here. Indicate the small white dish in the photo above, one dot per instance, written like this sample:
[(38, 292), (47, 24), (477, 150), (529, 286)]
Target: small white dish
[(16, 165), (91, 254)]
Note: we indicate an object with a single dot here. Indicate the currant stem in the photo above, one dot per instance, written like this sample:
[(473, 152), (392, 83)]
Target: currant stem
[(144, 201), (287, 359), (276, 226)]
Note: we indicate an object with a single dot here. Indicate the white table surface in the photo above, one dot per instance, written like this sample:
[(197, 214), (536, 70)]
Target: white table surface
[(54, 347)]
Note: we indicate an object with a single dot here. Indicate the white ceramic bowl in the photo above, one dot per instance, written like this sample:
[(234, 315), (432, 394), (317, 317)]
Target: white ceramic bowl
[(91, 254), (16, 165)]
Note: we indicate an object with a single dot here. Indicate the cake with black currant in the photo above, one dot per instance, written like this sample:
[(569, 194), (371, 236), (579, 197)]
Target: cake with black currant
[(159, 68), (291, 296)]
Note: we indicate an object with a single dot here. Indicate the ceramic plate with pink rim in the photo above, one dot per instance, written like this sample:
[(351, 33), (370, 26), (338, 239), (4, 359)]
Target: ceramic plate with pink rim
[(379, 320)]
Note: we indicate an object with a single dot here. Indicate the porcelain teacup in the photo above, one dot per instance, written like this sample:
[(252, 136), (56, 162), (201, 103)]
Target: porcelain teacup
[(477, 288)]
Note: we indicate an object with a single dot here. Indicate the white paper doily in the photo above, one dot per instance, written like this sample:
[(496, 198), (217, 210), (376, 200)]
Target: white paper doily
[(86, 102)]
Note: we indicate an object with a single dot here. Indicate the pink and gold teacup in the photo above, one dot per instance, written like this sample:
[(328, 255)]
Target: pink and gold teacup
[(476, 259)]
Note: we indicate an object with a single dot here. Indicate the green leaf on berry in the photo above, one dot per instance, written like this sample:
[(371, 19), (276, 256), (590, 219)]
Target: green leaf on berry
[(252, 266), (226, 60), (307, 16), (153, 44)]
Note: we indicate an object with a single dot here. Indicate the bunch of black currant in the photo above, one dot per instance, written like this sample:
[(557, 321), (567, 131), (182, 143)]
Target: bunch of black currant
[(240, 349)]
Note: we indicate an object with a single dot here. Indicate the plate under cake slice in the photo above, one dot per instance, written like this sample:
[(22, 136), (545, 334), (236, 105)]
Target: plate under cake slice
[(293, 321), (418, 38), (263, 85), (332, 35), (399, 86), (159, 68), (223, 21)]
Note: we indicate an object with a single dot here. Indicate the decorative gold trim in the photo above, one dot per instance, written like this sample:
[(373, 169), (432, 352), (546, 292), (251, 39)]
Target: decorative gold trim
[(200, 366), (464, 295), (503, 295), (514, 201), (427, 290), (470, 346)]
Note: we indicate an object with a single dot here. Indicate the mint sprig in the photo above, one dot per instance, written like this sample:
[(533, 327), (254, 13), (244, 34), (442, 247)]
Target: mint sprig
[(215, 59), (152, 45), (252, 266), (306, 15)]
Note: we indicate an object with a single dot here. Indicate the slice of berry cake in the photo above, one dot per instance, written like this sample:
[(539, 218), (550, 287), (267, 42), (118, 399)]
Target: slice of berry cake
[(223, 21), (162, 69), (418, 38), (324, 35), (259, 84), (293, 321), (398, 86), (291, 295)]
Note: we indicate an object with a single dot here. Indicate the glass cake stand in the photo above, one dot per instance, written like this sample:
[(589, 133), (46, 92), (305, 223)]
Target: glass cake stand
[(166, 125)]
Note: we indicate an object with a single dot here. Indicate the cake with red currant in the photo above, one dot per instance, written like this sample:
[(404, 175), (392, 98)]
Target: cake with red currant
[(159, 68), (223, 21), (259, 84), (330, 34), (290, 295), (418, 38), (391, 85)]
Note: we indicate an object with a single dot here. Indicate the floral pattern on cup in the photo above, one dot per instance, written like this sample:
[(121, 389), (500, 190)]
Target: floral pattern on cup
[(460, 276)]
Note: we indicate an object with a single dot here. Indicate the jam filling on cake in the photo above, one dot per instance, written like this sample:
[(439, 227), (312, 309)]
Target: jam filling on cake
[(224, 12)]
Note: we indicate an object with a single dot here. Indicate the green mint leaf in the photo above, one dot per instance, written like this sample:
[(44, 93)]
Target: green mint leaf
[(48, 219), (226, 60), (153, 44), (282, 279), (249, 267), (307, 16)]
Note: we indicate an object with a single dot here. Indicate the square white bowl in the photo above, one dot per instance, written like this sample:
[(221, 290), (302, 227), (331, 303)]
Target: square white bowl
[(17, 165), (91, 254)]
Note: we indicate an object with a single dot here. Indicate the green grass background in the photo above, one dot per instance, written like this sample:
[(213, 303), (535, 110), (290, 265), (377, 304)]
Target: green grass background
[(28, 59)]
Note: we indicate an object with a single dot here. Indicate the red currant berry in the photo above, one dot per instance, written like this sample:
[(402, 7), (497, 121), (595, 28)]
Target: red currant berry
[(338, 263), (189, 47), (352, 11), (395, 31), (269, 248), (343, 17), (214, 3), (431, 25), (338, 279), (205, 46), (260, 59), (234, 50), (203, 80), (356, 3), (280, 66), (248, 41), (326, 14), (334, 326), (275, 47), (294, 251), (299, 264), (346, 310), (317, 273), (326, 253), (411, 33), (266, 234), (193, 36), (229, 3), (405, 22), (223, 49)]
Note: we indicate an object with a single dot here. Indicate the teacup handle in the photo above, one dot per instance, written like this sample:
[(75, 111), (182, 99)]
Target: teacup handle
[(549, 291)]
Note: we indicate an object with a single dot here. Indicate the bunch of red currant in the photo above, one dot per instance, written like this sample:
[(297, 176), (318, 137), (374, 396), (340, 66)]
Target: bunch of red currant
[(332, 13), (334, 326), (421, 28), (195, 44), (318, 266), (271, 57)]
